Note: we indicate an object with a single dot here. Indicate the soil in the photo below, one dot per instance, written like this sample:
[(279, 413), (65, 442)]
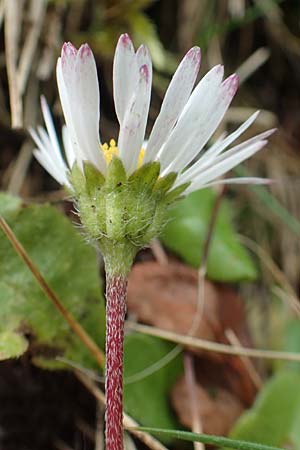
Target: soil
[(42, 410)]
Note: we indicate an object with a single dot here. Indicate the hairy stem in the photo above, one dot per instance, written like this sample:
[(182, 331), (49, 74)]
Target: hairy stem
[(116, 289)]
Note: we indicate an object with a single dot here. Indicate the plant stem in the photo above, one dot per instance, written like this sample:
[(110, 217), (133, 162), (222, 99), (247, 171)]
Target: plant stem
[(116, 290)]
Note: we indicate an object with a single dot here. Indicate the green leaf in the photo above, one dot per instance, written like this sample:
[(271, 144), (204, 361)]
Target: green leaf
[(270, 203), (147, 400), (69, 266), (207, 439), (9, 204), (12, 345), (275, 416), (291, 338), (186, 231)]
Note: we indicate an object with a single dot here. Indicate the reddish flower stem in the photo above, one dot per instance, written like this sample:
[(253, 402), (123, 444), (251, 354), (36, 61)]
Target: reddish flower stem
[(116, 290)]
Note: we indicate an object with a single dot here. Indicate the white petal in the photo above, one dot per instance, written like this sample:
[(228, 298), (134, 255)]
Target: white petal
[(175, 99), (198, 104), (221, 145), (50, 126), (224, 181), (57, 174), (47, 157), (238, 148), (79, 92), (43, 142), (64, 98), (217, 170), (240, 180), (204, 163), (142, 58), (132, 130), (70, 154), (124, 77), (208, 121), (48, 146), (233, 151)]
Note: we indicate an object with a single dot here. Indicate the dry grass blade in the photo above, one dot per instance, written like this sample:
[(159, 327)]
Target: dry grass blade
[(19, 169), (99, 431), (128, 422), (291, 296), (37, 14), (239, 114), (253, 374), (2, 10), (189, 371), (75, 326), (159, 252), (203, 265), (13, 19), (253, 63), (213, 346), (52, 39), (60, 445)]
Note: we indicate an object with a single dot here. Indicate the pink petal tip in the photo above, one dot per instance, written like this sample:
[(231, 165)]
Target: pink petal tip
[(142, 51), (144, 72), (232, 84), (68, 49), (84, 51), (194, 54), (125, 40)]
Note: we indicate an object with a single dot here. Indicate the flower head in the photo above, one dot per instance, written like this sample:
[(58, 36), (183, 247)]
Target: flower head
[(172, 162)]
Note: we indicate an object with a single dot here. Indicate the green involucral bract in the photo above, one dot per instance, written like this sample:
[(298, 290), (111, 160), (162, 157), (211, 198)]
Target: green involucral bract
[(123, 213)]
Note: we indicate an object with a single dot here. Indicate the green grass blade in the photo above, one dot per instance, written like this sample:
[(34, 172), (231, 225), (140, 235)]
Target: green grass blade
[(270, 202), (208, 439)]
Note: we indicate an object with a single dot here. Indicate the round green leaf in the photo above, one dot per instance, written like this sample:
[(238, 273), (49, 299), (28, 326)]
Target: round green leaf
[(186, 231), (147, 399), (69, 266), (12, 345), (275, 416)]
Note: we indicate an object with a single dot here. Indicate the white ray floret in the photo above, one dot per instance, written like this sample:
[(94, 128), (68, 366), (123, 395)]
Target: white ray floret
[(187, 120)]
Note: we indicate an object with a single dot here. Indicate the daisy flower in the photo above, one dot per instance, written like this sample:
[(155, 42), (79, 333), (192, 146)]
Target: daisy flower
[(123, 189), (186, 122)]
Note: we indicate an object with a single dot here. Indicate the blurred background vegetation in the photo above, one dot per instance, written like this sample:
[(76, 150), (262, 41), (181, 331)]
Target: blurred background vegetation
[(258, 39)]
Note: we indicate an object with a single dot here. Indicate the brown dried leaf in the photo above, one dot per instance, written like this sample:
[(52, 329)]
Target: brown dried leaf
[(217, 410), (166, 297)]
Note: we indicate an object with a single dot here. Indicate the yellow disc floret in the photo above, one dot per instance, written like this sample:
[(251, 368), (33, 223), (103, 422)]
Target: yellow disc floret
[(141, 157), (111, 149)]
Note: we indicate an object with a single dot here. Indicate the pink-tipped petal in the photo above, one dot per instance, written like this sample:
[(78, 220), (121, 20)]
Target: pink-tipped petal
[(68, 50), (174, 101), (194, 118), (231, 85), (124, 75), (132, 130), (65, 103), (207, 122), (68, 59), (142, 56), (79, 93)]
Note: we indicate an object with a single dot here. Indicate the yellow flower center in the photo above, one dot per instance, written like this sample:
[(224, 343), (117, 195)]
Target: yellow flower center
[(111, 149)]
